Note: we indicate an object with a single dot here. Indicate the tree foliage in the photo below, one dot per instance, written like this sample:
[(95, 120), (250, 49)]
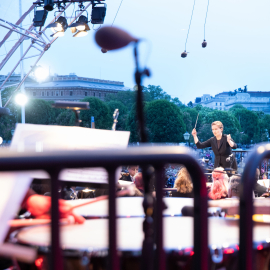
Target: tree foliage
[(249, 122), (66, 118), (164, 122), (39, 111), (100, 111)]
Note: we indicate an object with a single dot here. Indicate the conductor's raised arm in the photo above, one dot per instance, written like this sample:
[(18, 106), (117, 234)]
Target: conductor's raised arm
[(198, 143)]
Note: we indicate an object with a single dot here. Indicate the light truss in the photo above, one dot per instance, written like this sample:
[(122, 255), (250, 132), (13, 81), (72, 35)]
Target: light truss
[(39, 41)]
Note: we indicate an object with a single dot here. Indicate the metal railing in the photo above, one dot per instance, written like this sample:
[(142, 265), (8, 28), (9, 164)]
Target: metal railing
[(246, 205), (54, 162)]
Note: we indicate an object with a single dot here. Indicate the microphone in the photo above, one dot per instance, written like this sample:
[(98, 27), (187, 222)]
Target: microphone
[(228, 159), (112, 38)]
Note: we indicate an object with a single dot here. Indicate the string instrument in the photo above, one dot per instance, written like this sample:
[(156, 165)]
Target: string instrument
[(115, 116)]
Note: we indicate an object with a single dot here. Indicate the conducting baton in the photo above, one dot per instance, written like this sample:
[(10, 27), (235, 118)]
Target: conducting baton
[(196, 121)]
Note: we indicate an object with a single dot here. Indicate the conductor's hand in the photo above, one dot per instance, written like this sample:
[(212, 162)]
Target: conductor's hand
[(229, 138), (194, 132), (39, 206)]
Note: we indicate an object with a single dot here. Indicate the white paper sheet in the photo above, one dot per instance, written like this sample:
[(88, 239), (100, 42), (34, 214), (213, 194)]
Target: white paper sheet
[(14, 186), (40, 138), (43, 138)]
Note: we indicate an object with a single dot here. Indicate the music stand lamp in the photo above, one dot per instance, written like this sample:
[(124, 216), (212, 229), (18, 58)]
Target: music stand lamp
[(75, 106)]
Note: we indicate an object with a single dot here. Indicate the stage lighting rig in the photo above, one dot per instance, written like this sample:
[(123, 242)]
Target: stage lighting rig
[(98, 14), (80, 27), (40, 17), (48, 5), (59, 27)]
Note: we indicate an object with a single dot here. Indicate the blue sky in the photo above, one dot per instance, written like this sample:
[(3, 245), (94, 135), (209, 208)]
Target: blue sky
[(237, 32)]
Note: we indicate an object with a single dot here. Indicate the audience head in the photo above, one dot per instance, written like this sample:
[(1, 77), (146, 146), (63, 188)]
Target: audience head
[(234, 186), (219, 187), (139, 181), (183, 182), (132, 169)]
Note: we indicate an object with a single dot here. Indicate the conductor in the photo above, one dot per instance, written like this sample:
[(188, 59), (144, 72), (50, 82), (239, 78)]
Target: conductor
[(221, 144)]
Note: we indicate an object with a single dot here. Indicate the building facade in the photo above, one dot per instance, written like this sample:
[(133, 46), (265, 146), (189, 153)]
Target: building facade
[(68, 87), (252, 100)]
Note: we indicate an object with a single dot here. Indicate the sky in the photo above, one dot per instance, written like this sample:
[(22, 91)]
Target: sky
[(237, 54)]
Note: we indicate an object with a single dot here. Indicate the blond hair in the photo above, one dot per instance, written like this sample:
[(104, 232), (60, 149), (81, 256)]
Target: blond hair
[(217, 123), (183, 182)]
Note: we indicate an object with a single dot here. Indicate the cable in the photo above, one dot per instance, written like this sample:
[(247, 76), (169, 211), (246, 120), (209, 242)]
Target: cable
[(117, 12), (189, 25), (72, 12), (206, 18)]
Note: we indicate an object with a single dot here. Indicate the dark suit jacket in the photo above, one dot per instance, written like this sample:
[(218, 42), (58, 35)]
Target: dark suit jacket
[(221, 153), (259, 189)]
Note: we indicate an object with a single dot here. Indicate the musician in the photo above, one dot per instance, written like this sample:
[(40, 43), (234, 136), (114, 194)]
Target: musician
[(40, 206), (132, 170), (219, 188), (184, 184), (221, 144)]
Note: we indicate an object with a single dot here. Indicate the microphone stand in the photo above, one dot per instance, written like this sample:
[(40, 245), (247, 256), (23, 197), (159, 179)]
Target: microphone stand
[(148, 202)]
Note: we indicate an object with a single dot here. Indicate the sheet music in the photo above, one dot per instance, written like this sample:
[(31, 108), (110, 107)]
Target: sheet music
[(14, 186), (43, 138), (40, 138)]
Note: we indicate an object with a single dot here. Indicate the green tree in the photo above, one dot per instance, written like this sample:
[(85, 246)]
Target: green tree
[(249, 122), (204, 132), (123, 113), (193, 114), (39, 111), (99, 110), (229, 121), (164, 122), (132, 125), (127, 98), (66, 118), (156, 92), (8, 122)]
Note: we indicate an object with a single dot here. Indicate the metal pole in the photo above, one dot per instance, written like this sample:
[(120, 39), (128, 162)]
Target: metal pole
[(21, 65)]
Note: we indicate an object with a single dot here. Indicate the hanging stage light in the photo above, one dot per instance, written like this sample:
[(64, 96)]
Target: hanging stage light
[(40, 17), (81, 26), (204, 44), (104, 50), (59, 27), (98, 14), (184, 54), (48, 5)]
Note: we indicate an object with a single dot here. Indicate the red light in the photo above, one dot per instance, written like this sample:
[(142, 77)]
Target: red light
[(39, 262), (189, 250), (237, 247), (260, 247), (228, 251)]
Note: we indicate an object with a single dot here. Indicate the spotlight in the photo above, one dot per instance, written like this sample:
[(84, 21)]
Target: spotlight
[(98, 14), (48, 5), (41, 73), (81, 26), (184, 54), (59, 27), (104, 50), (40, 17), (204, 44), (21, 99)]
